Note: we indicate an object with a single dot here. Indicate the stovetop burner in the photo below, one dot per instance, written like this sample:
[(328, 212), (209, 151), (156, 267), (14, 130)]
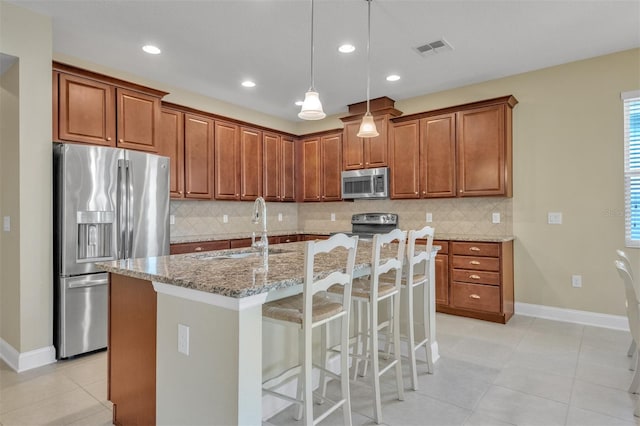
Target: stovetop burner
[(366, 225)]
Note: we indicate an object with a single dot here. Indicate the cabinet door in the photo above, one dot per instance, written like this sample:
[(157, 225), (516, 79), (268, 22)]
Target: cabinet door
[(331, 152), (198, 156), (138, 118), (227, 161), (442, 279), (250, 163), (288, 170), (87, 111), (271, 153), (481, 151), (171, 144), (375, 149), (404, 155), (438, 156), (353, 150), (311, 169)]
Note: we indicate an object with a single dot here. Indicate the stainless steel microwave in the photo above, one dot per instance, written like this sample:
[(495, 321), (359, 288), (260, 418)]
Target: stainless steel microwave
[(366, 183)]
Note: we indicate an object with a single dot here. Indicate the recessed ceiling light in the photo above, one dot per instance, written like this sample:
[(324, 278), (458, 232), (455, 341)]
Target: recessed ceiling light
[(151, 49), (299, 103), (393, 77), (248, 83), (346, 48)]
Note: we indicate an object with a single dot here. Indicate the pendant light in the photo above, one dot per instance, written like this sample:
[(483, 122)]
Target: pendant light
[(368, 126), (311, 107)]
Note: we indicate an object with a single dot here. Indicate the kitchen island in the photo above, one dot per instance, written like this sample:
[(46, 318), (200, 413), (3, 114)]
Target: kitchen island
[(218, 296)]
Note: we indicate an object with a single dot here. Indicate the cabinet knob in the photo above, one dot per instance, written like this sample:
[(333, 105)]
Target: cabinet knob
[(474, 296), (460, 191), (474, 262), (424, 192), (121, 140), (474, 248), (474, 277), (416, 192), (108, 139), (198, 249), (188, 192)]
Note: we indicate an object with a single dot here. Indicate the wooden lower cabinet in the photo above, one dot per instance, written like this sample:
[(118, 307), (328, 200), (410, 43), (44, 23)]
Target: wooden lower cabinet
[(480, 281), (442, 272), (132, 350), (180, 248)]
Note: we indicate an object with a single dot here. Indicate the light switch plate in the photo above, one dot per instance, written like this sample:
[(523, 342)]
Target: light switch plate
[(225, 218), (172, 219), (554, 218), (333, 217), (183, 339), (429, 217), (495, 217), (279, 217), (6, 223)]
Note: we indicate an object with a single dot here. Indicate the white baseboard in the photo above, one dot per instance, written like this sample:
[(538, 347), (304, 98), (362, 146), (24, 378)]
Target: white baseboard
[(26, 360), (617, 322)]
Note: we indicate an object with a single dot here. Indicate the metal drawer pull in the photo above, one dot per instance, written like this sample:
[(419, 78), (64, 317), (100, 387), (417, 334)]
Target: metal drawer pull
[(474, 296), (474, 248), (474, 276), (474, 262), (198, 249)]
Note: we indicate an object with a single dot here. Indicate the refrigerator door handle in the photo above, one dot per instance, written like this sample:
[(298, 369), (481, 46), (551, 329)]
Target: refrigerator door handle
[(122, 218), (129, 252), (88, 281)]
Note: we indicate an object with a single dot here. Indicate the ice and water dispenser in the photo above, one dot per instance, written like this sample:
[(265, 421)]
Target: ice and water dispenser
[(95, 234)]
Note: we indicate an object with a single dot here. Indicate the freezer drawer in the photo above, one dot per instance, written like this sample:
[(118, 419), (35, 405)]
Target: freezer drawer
[(82, 319)]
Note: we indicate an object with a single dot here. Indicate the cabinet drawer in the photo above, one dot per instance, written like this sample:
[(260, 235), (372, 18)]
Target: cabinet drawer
[(476, 249), (242, 242), (471, 276), (478, 263), (476, 296), (198, 247)]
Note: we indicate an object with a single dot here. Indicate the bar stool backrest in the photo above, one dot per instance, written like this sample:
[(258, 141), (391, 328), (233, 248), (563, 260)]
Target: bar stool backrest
[(416, 256), (392, 264), (632, 302)]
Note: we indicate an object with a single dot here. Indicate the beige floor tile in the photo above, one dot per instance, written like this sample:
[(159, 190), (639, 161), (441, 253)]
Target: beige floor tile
[(25, 393), (101, 418), (580, 417), (481, 419), (521, 408), (61, 409), (538, 383), (87, 371), (604, 400)]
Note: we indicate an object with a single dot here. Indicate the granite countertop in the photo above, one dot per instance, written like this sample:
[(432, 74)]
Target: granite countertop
[(215, 272), (232, 236)]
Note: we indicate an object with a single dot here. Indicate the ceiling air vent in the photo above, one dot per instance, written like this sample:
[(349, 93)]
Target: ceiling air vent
[(436, 46)]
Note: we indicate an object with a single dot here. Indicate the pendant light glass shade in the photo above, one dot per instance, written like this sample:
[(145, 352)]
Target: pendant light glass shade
[(368, 127), (311, 107)]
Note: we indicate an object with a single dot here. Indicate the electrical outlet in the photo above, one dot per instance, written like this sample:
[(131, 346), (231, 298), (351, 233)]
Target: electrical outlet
[(225, 218), (495, 217), (333, 217), (576, 281), (429, 217), (6, 223), (554, 218), (172, 219), (279, 217), (183, 339)]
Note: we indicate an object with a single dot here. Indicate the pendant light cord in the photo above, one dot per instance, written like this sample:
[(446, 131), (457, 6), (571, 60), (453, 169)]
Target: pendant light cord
[(312, 82), (368, 52)]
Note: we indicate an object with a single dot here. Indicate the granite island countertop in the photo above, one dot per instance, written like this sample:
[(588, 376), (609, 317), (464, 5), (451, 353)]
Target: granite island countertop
[(215, 272)]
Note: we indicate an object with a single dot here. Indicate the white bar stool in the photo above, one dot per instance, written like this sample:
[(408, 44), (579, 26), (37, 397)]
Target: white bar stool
[(313, 308), (370, 291)]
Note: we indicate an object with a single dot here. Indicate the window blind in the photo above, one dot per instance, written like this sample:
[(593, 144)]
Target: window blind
[(631, 102)]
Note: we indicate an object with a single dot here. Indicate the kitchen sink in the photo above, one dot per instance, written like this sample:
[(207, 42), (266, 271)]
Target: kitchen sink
[(237, 255)]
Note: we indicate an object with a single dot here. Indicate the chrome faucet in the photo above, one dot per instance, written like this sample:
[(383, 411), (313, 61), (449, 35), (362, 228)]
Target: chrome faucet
[(260, 214)]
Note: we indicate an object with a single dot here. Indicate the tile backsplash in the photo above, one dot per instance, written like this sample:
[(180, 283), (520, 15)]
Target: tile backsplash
[(471, 216)]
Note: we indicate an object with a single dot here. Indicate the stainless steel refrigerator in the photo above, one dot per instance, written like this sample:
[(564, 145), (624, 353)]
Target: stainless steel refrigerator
[(109, 204)]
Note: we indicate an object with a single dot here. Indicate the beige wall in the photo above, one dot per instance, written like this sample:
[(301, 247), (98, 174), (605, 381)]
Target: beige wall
[(28, 36), (9, 206)]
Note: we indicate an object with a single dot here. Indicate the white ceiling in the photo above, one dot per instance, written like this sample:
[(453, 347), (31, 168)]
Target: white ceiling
[(209, 47)]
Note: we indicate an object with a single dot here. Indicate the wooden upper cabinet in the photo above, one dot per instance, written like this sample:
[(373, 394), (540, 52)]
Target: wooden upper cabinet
[(250, 163), (404, 153), (438, 156), (331, 170), (227, 161), (310, 169), (365, 153), (287, 175), (138, 120), (271, 156), (171, 144), (86, 111), (198, 156), (482, 152)]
